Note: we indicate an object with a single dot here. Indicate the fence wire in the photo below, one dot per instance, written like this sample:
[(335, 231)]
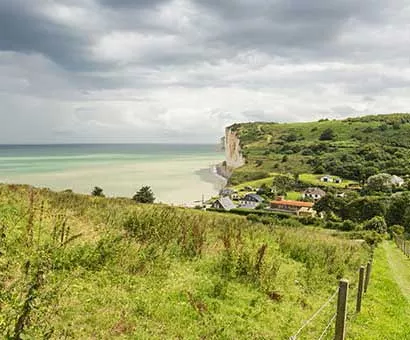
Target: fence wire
[(295, 336), (327, 327)]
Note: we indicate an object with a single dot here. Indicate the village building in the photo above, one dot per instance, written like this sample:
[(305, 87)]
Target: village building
[(251, 201), (314, 193), (226, 192), (297, 208), (396, 181), (327, 179), (338, 180), (224, 203)]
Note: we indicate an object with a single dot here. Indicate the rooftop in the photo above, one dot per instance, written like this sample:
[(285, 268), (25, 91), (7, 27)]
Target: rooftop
[(293, 203)]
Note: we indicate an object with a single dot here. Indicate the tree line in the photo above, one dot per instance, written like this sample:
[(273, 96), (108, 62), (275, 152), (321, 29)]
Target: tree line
[(143, 195)]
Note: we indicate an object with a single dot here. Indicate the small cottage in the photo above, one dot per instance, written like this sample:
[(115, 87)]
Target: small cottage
[(314, 193), (251, 201), (224, 203), (396, 181)]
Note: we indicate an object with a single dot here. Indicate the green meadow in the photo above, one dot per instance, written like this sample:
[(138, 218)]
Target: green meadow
[(81, 267)]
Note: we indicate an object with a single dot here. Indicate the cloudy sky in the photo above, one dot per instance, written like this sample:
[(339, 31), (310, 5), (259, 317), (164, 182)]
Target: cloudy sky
[(181, 70)]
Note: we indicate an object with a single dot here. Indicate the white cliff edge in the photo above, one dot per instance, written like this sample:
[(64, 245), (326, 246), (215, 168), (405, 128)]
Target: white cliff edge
[(233, 155)]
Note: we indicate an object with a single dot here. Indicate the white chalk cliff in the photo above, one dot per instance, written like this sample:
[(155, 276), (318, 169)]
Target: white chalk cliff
[(233, 155)]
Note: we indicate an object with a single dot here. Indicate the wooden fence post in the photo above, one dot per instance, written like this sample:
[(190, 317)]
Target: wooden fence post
[(368, 272), (360, 290), (340, 329)]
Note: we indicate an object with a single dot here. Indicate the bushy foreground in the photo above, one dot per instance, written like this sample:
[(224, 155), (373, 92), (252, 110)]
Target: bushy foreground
[(78, 267)]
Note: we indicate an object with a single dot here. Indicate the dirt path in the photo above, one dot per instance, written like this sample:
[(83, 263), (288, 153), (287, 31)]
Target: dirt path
[(400, 267)]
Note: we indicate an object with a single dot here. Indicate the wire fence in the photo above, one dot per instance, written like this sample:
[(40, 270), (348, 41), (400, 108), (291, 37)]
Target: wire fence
[(402, 244), (307, 322), (337, 319)]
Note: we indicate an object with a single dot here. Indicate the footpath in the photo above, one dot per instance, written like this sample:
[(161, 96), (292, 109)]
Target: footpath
[(400, 267), (386, 307)]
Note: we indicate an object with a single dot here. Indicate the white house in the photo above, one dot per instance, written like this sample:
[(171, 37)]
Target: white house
[(314, 193), (396, 181), (327, 179)]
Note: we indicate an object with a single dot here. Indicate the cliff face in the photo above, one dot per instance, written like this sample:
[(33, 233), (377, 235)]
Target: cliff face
[(233, 155)]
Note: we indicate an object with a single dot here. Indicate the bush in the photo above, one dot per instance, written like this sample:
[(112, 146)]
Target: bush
[(348, 225), (396, 229), (327, 134), (144, 195), (377, 224), (372, 238)]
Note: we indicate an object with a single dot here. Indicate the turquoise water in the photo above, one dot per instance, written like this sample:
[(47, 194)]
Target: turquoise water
[(177, 173)]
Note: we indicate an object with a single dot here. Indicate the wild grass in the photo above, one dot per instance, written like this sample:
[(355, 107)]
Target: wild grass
[(385, 308), (80, 267)]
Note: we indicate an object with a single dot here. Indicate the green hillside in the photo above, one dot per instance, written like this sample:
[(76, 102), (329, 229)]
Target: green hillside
[(354, 148), (81, 267)]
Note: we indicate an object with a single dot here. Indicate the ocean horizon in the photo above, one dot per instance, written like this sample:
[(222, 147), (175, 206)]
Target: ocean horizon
[(177, 173)]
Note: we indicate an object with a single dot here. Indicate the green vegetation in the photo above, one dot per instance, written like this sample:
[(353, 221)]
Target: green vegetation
[(314, 180), (144, 195), (81, 267), (98, 192), (354, 148), (386, 306)]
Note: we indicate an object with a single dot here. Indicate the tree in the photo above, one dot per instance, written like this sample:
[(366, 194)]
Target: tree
[(377, 224), (364, 208), (327, 134), (380, 182), (98, 192), (144, 195), (398, 211), (283, 183), (330, 204)]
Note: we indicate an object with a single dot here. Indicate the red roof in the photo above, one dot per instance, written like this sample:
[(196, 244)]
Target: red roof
[(293, 203)]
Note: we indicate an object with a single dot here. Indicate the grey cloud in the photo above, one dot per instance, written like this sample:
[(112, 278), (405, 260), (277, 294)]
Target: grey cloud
[(24, 29), (132, 3), (195, 65)]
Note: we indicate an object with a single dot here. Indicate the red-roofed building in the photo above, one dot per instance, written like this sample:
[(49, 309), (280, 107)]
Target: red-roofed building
[(298, 208)]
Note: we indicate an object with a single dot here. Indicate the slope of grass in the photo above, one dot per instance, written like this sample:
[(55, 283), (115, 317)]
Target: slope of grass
[(385, 309), (357, 148), (79, 267), (314, 180)]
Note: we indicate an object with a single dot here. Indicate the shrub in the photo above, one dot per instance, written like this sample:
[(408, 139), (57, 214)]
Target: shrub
[(98, 192), (377, 224), (144, 195), (396, 229), (327, 134)]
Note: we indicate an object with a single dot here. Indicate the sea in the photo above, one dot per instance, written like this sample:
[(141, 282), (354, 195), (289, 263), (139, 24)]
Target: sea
[(178, 174)]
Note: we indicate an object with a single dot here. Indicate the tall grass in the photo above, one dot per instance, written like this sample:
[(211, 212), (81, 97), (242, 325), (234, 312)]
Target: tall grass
[(74, 266)]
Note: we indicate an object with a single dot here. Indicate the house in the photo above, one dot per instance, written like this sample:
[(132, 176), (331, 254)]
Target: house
[(251, 201), (396, 181), (314, 193), (253, 198), (327, 179), (297, 208), (226, 192), (338, 180), (224, 203)]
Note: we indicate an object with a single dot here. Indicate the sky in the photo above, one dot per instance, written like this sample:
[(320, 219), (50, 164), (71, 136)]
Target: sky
[(179, 71)]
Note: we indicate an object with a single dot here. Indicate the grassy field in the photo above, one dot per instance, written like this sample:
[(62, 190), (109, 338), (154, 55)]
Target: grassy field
[(80, 267), (354, 148), (386, 307), (314, 180)]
